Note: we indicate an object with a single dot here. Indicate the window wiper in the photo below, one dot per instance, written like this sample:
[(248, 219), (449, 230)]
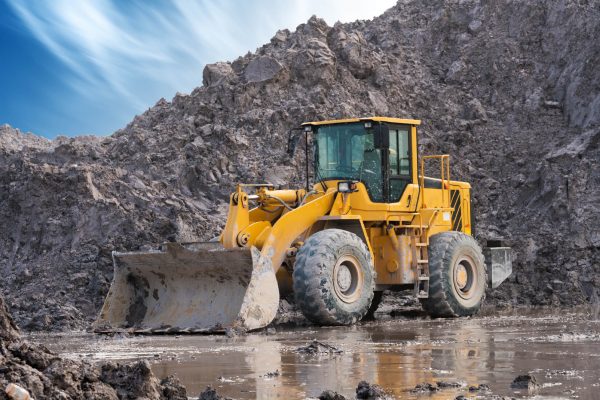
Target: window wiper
[(319, 176)]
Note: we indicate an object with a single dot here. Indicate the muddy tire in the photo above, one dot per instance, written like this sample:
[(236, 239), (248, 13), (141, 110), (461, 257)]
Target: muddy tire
[(457, 276), (334, 278)]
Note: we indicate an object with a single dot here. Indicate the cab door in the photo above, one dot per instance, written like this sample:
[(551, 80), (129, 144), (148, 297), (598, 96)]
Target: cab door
[(399, 165)]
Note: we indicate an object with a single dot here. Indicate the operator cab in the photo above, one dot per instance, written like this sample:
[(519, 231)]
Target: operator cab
[(376, 151)]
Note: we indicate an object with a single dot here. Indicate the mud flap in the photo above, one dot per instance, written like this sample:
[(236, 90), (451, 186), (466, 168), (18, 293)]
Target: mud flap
[(498, 262), (199, 287)]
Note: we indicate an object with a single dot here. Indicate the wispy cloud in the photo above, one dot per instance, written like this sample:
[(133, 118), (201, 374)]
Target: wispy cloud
[(110, 48), (127, 48)]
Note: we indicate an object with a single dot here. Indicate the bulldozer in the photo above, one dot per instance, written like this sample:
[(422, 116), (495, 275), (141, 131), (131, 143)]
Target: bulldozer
[(370, 221)]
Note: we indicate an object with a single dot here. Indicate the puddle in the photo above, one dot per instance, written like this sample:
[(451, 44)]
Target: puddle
[(562, 352)]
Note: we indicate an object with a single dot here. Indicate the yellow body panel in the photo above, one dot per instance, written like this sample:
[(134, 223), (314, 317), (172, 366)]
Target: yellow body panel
[(393, 266), (393, 262), (245, 229), (427, 207)]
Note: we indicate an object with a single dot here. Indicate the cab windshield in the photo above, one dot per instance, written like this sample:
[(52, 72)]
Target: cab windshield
[(347, 151)]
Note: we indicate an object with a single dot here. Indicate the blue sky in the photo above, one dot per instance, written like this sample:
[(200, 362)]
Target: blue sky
[(73, 67)]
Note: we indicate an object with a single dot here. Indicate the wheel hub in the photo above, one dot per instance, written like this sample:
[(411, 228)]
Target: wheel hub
[(464, 278), (461, 276), (344, 278), (347, 279)]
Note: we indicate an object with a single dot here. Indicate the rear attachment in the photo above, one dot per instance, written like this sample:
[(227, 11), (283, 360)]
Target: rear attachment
[(498, 262), (199, 287)]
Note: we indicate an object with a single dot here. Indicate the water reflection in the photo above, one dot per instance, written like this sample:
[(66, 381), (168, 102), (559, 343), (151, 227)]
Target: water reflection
[(397, 355)]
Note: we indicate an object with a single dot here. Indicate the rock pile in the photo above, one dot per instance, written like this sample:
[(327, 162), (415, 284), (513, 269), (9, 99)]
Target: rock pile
[(508, 89), (44, 375)]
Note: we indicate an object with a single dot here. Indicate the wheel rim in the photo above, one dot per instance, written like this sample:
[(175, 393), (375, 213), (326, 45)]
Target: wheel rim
[(465, 277), (347, 279)]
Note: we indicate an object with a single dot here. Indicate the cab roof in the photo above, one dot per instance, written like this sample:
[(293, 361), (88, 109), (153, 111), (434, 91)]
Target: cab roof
[(366, 119)]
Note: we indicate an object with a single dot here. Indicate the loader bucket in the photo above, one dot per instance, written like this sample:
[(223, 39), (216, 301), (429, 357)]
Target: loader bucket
[(199, 287)]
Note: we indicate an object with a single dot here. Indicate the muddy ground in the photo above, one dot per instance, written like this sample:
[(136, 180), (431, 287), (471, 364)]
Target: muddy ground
[(474, 357)]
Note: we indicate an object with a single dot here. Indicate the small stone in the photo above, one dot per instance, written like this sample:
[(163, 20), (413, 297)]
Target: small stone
[(527, 382), (211, 394), (316, 347), (482, 387), (447, 385), (16, 392), (173, 389), (474, 26), (331, 395), (366, 390), (456, 71), (424, 388), (273, 374), (551, 104)]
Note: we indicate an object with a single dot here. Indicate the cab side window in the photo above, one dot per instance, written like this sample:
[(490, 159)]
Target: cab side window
[(399, 163)]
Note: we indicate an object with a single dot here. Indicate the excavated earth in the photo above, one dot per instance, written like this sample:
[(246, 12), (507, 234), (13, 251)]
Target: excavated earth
[(510, 89), (47, 376)]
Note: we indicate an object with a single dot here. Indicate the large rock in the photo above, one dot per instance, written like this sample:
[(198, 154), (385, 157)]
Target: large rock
[(261, 69), (217, 74), (354, 50), (315, 64)]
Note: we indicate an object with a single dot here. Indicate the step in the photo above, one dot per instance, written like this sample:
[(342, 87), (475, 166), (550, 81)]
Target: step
[(422, 295), (423, 278), (421, 244), (422, 261), (412, 226)]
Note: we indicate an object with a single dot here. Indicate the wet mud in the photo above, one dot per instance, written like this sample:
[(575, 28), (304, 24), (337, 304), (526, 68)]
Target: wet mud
[(474, 357)]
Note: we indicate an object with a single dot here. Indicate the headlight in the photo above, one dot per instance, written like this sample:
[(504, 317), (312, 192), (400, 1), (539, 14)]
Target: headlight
[(346, 187)]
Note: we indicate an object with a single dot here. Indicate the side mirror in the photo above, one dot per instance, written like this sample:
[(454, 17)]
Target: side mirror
[(381, 136)]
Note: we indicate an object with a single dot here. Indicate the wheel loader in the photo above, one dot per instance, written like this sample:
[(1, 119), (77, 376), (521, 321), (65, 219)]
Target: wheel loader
[(371, 221)]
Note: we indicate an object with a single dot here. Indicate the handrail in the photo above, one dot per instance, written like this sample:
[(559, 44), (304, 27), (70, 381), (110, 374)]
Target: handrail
[(445, 174)]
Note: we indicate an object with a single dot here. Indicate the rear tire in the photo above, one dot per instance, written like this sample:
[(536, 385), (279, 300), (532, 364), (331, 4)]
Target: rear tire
[(334, 278), (457, 276)]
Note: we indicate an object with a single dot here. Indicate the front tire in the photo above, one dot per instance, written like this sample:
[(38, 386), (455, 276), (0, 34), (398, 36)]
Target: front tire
[(334, 278), (457, 276)]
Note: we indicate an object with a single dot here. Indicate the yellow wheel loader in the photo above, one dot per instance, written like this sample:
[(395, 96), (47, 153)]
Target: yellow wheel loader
[(371, 221)]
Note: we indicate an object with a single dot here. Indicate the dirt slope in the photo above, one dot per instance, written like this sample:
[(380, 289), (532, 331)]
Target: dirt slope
[(510, 89)]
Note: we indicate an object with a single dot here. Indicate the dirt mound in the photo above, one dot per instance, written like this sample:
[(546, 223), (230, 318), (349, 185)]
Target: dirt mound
[(46, 376), (509, 89)]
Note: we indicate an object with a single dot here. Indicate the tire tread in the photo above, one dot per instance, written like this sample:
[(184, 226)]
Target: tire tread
[(441, 301), (313, 295)]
